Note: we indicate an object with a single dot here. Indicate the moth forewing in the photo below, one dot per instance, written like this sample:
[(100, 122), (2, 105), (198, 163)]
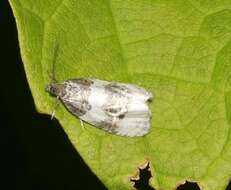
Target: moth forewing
[(118, 108)]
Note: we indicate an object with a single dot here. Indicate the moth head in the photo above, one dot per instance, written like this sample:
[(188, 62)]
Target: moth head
[(56, 89)]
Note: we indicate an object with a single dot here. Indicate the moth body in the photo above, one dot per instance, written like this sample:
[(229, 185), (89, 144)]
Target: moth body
[(118, 108)]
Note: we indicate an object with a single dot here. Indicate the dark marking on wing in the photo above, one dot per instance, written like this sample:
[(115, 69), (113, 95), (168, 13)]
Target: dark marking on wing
[(87, 105), (78, 109), (83, 81), (111, 110), (116, 89), (121, 116), (118, 112), (107, 126)]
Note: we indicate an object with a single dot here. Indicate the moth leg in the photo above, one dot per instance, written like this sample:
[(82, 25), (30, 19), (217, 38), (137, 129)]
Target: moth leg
[(55, 107), (81, 123), (53, 115)]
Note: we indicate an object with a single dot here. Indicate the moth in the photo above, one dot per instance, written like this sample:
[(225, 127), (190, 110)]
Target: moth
[(118, 108)]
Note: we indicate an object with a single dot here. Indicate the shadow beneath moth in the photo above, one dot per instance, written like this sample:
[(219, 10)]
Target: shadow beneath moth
[(118, 108)]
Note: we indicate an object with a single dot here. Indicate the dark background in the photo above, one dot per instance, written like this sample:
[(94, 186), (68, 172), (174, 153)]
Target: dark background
[(34, 150)]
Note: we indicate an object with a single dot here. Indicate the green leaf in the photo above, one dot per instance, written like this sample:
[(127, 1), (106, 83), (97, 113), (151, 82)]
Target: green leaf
[(179, 50)]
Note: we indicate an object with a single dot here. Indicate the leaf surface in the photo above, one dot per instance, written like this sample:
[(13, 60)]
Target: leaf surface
[(179, 50)]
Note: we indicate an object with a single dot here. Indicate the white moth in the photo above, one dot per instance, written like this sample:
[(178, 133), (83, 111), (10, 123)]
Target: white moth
[(118, 108)]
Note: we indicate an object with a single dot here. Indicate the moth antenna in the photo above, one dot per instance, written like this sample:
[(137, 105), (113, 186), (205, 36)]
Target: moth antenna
[(57, 102), (52, 73), (52, 78)]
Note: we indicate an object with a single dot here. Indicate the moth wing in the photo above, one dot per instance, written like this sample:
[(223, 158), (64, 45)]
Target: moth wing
[(136, 121), (128, 117), (76, 108), (138, 92), (125, 89)]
